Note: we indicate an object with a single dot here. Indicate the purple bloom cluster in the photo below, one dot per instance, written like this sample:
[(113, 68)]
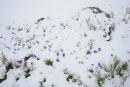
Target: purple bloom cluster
[(34, 56), (19, 61)]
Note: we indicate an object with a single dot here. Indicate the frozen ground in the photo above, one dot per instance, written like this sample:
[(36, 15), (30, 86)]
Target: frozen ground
[(64, 43)]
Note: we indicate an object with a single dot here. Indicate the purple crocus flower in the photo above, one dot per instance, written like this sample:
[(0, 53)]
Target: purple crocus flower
[(61, 50), (34, 56), (19, 61), (63, 54)]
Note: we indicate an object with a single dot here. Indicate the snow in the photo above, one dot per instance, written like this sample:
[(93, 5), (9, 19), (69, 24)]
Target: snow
[(75, 36)]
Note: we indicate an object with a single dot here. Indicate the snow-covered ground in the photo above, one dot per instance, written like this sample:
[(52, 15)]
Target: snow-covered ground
[(64, 43)]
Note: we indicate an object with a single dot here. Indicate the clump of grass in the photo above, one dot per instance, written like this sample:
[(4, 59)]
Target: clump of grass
[(27, 73), (9, 66), (125, 66), (3, 59), (95, 10), (3, 79), (117, 68), (4, 62), (71, 77), (113, 66), (49, 62), (121, 69), (100, 79)]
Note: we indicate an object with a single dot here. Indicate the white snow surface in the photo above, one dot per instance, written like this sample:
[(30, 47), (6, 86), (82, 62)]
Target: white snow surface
[(73, 34)]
